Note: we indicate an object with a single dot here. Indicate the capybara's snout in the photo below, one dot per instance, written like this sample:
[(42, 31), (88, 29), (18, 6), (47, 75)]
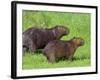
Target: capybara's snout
[(67, 31), (82, 42)]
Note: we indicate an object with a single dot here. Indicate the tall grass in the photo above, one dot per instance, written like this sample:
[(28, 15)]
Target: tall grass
[(79, 25)]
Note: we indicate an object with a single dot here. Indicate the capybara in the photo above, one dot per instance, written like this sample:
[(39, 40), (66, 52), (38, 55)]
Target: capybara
[(36, 38), (58, 49)]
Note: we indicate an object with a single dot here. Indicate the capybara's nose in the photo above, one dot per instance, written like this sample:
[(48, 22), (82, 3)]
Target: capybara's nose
[(82, 42), (67, 31)]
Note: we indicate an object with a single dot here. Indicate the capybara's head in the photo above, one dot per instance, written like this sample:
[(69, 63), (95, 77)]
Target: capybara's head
[(61, 30), (78, 41)]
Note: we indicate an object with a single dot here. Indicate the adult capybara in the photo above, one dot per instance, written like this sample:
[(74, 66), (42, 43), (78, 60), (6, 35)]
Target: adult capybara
[(35, 38), (58, 49)]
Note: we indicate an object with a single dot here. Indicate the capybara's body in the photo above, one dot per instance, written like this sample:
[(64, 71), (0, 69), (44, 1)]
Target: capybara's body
[(35, 38), (57, 49)]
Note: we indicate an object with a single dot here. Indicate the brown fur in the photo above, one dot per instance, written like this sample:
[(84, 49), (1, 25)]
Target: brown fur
[(62, 49), (35, 38)]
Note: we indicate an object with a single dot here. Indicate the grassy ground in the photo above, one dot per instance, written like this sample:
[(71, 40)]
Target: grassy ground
[(79, 25)]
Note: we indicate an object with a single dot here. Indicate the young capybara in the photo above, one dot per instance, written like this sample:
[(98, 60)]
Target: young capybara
[(58, 49), (35, 38)]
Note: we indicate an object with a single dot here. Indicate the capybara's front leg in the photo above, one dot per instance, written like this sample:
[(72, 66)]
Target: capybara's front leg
[(51, 58), (32, 46), (70, 58)]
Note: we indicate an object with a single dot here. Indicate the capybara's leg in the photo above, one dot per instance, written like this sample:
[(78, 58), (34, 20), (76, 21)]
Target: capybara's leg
[(24, 49), (70, 57), (32, 46), (51, 58)]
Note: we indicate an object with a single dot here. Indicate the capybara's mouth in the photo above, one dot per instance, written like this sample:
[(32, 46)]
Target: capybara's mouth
[(67, 32)]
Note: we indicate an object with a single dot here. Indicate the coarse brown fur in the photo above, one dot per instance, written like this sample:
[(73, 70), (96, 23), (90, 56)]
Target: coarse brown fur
[(57, 49), (36, 38)]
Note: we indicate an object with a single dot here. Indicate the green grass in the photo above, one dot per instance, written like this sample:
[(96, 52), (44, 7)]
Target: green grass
[(79, 25), (39, 61)]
